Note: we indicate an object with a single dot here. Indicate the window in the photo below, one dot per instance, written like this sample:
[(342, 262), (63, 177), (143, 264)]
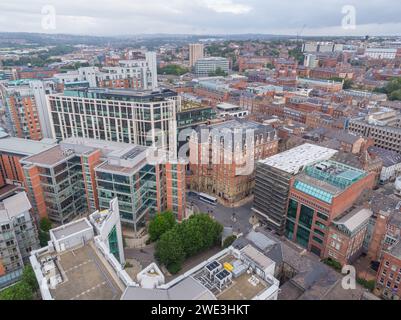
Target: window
[(306, 216), (303, 236), (289, 230), (318, 240), (322, 216), (292, 208)]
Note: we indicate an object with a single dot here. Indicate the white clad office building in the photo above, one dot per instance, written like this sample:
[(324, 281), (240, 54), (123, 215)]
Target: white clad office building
[(140, 117)]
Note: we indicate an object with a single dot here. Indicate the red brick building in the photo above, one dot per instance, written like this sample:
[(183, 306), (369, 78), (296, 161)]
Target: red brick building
[(228, 171), (388, 279), (318, 196)]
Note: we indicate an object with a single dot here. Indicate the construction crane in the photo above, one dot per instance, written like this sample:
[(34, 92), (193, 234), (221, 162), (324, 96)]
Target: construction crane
[(300, 32)]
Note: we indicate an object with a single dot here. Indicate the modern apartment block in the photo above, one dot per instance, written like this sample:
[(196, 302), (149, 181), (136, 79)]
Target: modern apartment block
[(273, 179), (55, 184), (80, 175), (146, 118), (222, 157), (320, 196), (196, 52), (26, 108), (382, 125), (139, 74), (12, 150), (206, 66), (18, 237)]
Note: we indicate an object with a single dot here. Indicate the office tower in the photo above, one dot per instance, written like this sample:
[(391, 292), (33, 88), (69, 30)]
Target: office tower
[(207, 66), (79, 176), (195, 53), (18, 236), (146, 118)]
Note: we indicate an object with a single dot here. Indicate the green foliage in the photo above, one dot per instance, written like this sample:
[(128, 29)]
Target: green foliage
[(229, 241), (173, 69), (19, 291), (333, 263), (45, 224), (218, 73), (169, 249), (28, 277), (297, 54), (395, 95), (368, 284), (347, 82), (194, 235), (42, 58), (269, 66), (392, 89), (24, 289), (160, 224), (44, 228)]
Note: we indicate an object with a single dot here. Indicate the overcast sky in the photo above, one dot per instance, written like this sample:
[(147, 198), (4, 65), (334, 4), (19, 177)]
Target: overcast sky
[(122, 17)]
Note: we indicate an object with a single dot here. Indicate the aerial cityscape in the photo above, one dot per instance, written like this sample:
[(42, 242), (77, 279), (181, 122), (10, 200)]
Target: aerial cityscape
[(200, 151)]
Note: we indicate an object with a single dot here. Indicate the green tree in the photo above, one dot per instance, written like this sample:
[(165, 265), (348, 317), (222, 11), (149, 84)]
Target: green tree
[(45, 224), (229, 241), (160, 224), (395, 95), (173, 69), (19, 291), (44, 228), (194, 235), (28, 277), (169, 250), (218, 73)]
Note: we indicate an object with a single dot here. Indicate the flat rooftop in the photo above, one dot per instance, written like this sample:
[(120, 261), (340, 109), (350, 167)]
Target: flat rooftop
[(293, 160), (243, 287), (84, 277), (70, 228), (327, 179), (24, 147), (48, 157)]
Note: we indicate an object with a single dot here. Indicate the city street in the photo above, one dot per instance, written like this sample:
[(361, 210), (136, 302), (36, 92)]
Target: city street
[(224, 215)]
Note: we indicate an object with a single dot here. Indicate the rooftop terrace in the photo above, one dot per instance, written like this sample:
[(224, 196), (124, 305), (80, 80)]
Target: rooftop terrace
[(327, 179)]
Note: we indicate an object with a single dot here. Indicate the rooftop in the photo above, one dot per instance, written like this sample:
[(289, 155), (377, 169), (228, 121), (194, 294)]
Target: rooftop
[(97, 284), (24, 147), (395, 250), (293, 160), (71, 228), (312, 279), (356, 218), (48, 157), (120, 94), (14, 206), (327, 179)]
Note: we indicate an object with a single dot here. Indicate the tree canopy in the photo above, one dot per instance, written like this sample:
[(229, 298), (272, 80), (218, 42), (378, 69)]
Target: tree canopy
[(392, 89), (194, 235), (160, 224), (24, 289), (173, 69)]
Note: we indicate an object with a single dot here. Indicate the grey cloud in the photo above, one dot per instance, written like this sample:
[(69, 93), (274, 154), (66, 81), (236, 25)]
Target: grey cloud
[(104, 17)]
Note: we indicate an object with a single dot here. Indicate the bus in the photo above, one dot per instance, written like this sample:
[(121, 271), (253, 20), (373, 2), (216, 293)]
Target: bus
[(206, 198)]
